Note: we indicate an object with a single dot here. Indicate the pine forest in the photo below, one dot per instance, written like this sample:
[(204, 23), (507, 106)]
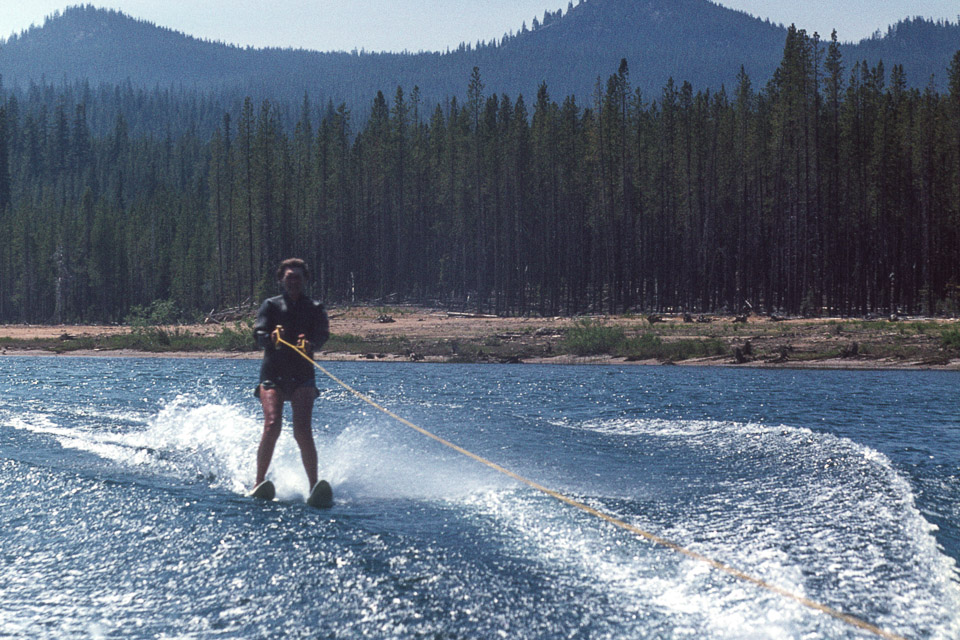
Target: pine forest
[(833, 189)]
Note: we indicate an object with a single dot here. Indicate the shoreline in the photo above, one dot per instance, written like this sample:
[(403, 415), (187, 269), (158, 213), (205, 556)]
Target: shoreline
[(417, 334), (827, 364)]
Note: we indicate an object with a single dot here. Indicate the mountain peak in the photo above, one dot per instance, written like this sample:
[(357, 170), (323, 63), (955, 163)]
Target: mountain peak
[(693, 40)]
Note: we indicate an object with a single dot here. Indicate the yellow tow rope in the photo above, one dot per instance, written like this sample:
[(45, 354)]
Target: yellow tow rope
[(736, 573)]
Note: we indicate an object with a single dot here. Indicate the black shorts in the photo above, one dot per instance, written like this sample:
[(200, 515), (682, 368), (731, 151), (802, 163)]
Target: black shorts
[(288, 385)]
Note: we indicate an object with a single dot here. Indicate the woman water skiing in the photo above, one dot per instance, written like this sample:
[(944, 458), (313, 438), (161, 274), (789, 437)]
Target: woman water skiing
[(286, 375)]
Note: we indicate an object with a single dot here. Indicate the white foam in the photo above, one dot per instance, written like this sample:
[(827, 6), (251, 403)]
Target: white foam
[(375, 458), (818, 515), (188, 438), (193, 437), (199, 438)]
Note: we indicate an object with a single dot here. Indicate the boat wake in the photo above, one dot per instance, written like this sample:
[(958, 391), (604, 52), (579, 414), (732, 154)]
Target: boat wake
[(818, 515)]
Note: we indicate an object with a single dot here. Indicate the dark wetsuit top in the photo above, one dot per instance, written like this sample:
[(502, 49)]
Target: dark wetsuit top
[(282, 367)]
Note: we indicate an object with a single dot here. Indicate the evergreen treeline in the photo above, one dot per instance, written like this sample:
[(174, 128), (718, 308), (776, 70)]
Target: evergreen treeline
[(831, 189)]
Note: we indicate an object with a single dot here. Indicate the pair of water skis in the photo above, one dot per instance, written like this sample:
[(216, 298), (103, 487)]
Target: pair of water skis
[(321, 497)]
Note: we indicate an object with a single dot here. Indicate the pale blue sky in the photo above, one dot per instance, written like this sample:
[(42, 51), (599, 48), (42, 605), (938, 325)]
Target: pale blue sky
[(414, 25)]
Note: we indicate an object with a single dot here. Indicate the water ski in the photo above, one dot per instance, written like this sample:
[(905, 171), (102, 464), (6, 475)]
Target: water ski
[(322, 495), (264, 491)]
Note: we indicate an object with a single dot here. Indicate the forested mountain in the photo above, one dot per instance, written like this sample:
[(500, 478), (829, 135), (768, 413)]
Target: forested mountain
[(688, 40), (833, 187)]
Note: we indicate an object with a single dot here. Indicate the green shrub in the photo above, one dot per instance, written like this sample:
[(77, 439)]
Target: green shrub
[(239, 338), (590, 338), (344, 342), (158, 339), (650, 346), (644, 347), (951, 337), (684, 349)]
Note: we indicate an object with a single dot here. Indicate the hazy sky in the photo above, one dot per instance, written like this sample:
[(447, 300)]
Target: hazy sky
[(414, 25)]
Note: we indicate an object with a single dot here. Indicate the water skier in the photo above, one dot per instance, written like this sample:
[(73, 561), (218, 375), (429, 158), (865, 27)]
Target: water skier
[(284, 374)]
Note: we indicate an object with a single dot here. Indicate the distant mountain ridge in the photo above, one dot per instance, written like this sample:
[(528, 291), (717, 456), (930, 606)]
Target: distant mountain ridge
[(688, 40)]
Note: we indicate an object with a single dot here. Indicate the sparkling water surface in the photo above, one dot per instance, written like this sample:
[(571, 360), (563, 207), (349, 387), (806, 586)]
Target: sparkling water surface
[(122, 508)]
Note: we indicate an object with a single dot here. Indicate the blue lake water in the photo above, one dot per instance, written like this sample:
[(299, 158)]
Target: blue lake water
[(122, 508)]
